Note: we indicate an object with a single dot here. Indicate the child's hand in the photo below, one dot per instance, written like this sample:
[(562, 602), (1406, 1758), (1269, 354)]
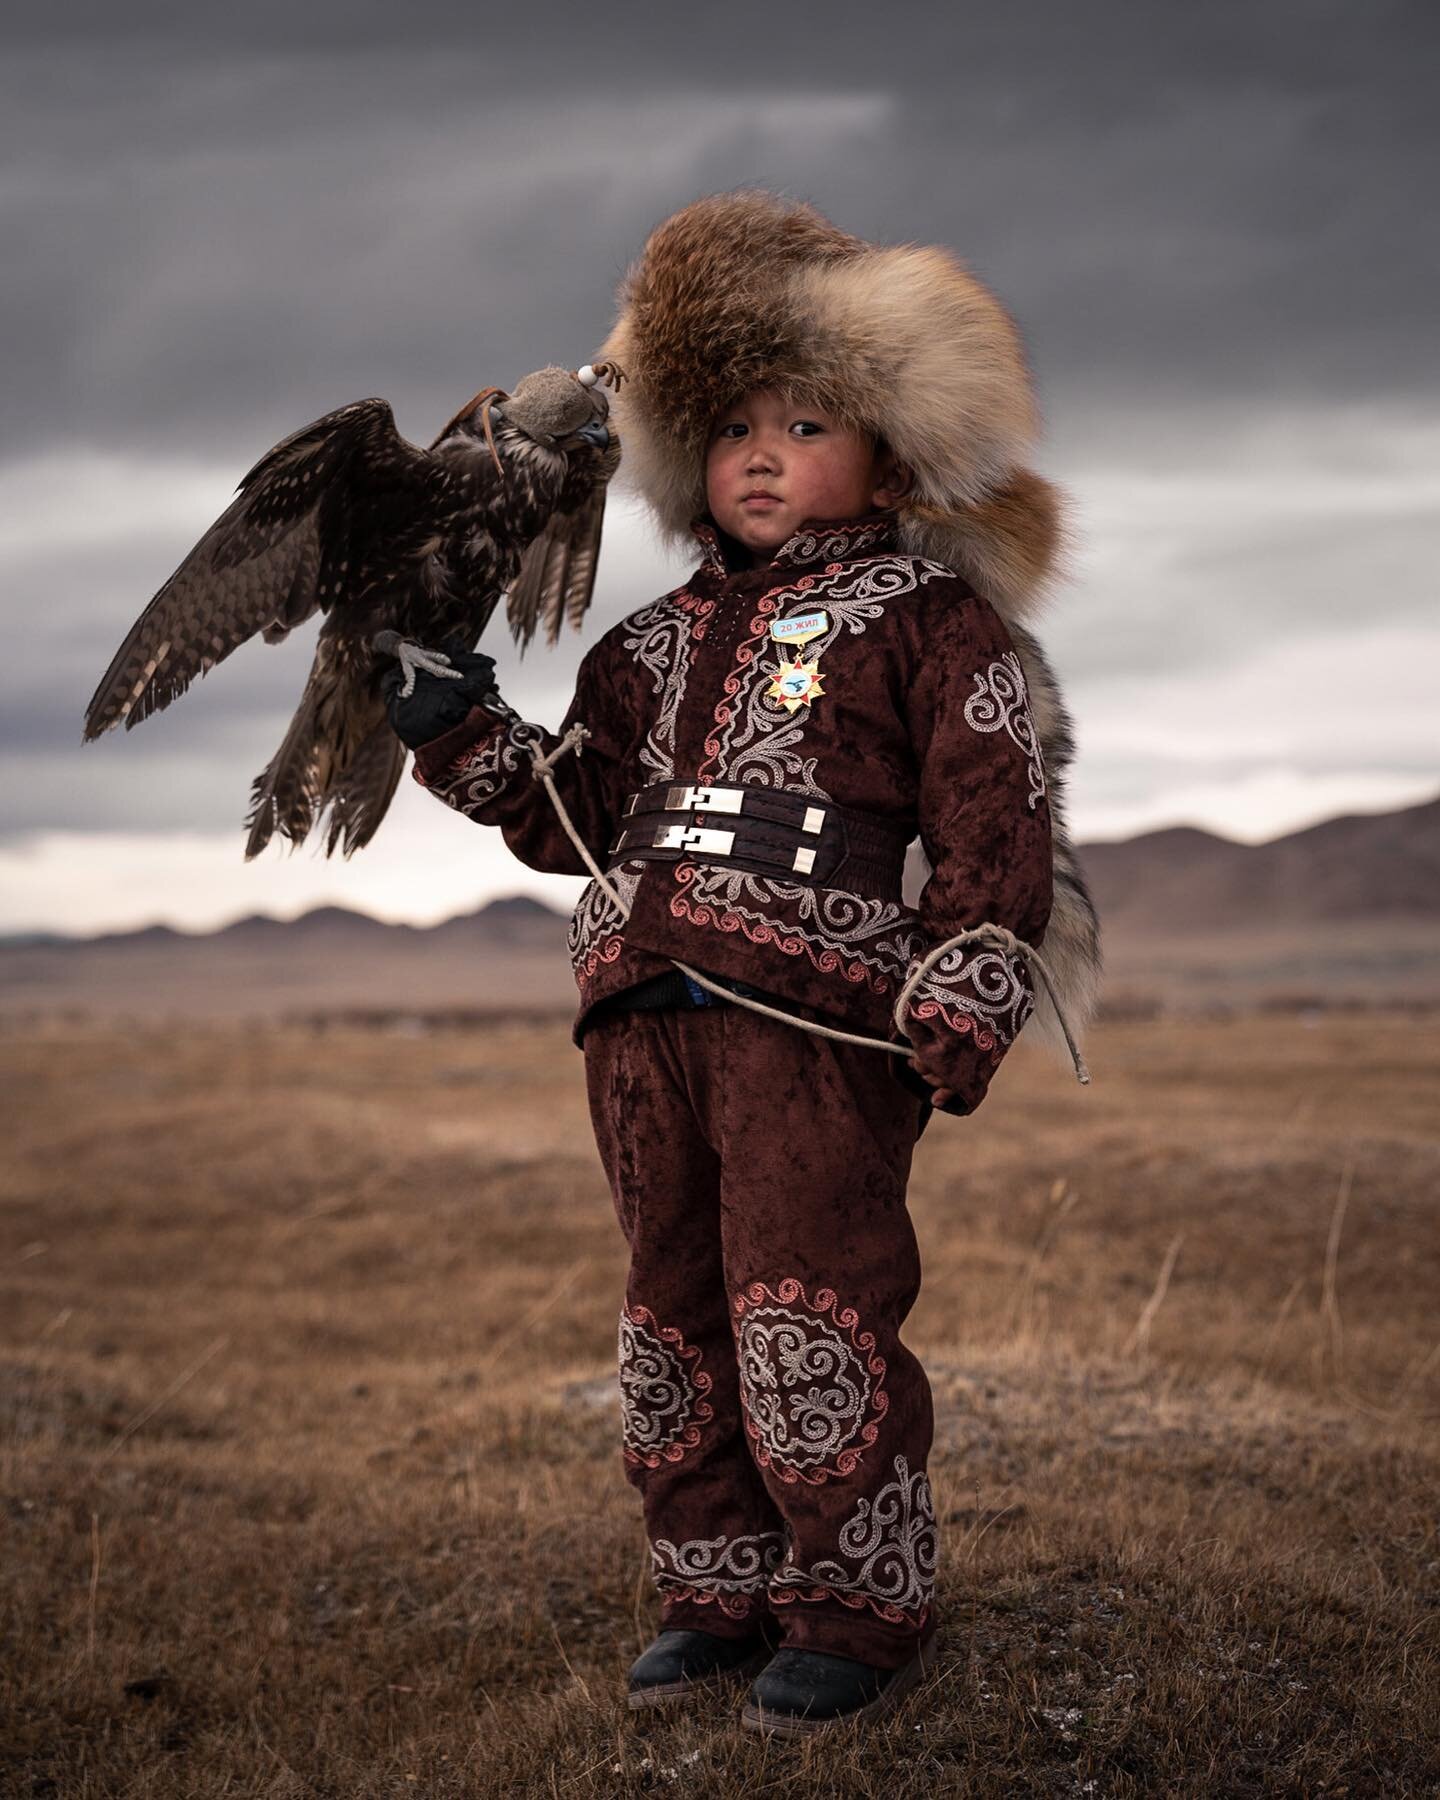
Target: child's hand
[(940, 1094)]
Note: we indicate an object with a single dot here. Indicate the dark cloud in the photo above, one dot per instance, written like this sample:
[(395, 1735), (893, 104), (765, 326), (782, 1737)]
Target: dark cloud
[(220, 222), (221, 218)]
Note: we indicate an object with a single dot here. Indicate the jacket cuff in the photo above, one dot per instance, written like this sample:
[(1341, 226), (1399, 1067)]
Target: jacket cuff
[(964, 1016), (434, 758)]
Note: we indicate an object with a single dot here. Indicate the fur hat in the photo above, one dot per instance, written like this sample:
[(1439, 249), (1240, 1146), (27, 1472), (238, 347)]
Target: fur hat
[(748, 289)]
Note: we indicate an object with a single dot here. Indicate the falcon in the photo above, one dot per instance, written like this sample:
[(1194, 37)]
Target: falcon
[(347, 518)]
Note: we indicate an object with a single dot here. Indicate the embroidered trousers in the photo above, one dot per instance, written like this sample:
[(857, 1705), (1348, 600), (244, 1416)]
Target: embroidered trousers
[(774, 1424)]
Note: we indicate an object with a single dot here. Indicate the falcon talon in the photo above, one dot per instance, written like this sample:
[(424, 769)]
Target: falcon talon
[(413, 657)]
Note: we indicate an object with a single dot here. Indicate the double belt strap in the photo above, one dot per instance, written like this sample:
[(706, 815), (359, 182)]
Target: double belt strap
[(768, 831)]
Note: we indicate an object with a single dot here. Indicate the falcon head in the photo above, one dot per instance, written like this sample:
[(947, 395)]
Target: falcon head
[(557, 409)]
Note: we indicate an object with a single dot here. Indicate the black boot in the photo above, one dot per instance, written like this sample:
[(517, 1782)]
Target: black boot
[(800, 1692), (687, 1662)]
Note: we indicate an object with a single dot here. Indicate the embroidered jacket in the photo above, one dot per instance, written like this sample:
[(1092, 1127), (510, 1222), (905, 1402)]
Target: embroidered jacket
[(922, 717)]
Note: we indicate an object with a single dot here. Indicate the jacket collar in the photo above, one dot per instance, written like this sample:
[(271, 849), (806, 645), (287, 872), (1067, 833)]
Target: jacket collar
[(816, 541)]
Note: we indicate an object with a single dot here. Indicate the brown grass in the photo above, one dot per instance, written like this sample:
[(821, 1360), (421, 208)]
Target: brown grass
[(310, 1480)]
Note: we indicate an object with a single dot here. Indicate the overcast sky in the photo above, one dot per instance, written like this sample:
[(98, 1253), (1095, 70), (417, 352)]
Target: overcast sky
[(1213, 223)]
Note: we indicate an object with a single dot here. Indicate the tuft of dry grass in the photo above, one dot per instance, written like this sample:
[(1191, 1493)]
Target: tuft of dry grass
[(308, 1457)]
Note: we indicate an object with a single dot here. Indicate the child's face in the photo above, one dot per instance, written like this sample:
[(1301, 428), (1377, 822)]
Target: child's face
[(772, 464)]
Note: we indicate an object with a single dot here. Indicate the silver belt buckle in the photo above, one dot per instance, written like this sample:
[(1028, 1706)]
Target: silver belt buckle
[(708, 799), (694, 837)]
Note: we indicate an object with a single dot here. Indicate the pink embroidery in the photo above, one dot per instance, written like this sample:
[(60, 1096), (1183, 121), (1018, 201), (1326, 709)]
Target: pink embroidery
[(702, 609), (884, 1555), (604, 952), (957, 1021), (762, 931), (662, 1390), (782, 1596), (811, 1383), (984, 994), (734, 1606), (730, 1572), (744, 656)]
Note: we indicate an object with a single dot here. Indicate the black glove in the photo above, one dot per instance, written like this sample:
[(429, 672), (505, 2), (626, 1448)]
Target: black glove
[(437, 703)]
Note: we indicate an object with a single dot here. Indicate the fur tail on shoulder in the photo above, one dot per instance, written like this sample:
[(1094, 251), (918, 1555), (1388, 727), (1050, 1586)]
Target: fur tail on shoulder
[(1071, 946)]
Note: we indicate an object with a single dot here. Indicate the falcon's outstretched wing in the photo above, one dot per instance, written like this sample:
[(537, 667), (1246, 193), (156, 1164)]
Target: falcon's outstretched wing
[(557, 575), (269, 560)]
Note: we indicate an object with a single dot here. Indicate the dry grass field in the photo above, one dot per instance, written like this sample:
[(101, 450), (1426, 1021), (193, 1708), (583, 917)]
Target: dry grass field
[(308, 1440)]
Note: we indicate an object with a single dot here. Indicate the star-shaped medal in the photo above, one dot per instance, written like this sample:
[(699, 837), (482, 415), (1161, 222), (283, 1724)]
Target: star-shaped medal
[(795, 683)]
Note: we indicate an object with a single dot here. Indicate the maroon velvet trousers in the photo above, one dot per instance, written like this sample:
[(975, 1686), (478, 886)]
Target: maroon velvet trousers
[(776, 1427)]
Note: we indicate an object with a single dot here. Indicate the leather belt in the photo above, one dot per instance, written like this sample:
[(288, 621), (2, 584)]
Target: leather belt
[(768, 831)]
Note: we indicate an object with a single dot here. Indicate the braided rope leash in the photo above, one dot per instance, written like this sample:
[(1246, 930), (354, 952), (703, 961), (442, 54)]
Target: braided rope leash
[(1003, 939)]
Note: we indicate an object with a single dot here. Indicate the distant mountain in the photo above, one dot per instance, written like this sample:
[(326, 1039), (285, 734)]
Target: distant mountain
[(1366, 866), (1363, 866), (1345, 912), (507, 956), (517, 922), (321, 922), (513, 919)]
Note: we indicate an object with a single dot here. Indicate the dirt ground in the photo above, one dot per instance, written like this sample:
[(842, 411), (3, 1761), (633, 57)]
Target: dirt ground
[(309, 1477)]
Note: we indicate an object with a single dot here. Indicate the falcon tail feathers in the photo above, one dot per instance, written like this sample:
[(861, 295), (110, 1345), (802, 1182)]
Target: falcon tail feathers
[(283, 797), (359, 798), (339, 766)]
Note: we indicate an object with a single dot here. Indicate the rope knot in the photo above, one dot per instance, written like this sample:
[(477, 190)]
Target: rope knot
[(573, 739)]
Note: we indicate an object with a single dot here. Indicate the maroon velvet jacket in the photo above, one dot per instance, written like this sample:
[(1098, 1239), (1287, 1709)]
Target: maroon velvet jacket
[(923, 718)]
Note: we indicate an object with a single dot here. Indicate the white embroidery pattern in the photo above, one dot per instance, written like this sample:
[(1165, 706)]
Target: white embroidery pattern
[(737, 1565), (809, 546), (987, 993), (662, 1390), (661, 645), (877, 578), (479, 775), (758, 736), (862, 939), (889, 1552), (810, 1382), (730, 1573), (597, 926), (839, 543), (1001, 703)]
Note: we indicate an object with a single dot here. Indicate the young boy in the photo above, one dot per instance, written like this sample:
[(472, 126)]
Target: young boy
[(841, 427)]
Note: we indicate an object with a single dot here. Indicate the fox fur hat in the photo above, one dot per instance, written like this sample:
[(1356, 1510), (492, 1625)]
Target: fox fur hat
[(748, 289)]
